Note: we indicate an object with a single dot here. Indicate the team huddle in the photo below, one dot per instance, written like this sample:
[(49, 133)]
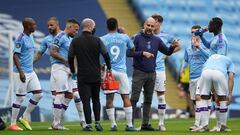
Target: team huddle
[(76, 72)]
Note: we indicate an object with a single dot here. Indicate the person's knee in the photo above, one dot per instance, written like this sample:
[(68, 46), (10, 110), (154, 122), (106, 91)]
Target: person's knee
[(205, 97), (68, 95), (133, 102), (95, 101), (76, 95), (197, 98), (161, 99), (20, 99), (126, 100), (109, 100), (147, 102), (160, 93), (38, 96), (221, 98), (148, 99)]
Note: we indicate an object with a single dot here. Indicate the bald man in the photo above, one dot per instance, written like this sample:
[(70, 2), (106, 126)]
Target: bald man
[(144, 62), (86, 48), (25, 79)]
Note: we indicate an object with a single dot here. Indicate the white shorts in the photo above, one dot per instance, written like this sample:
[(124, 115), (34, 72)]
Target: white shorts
[(160, 81), (61, 78), (31, 84), (52, 83), (213, 78), (124, 83), (193, 85)]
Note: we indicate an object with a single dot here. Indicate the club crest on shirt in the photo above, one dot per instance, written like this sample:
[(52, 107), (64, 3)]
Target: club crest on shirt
[(148, 45), (56, 42), (27, 42)]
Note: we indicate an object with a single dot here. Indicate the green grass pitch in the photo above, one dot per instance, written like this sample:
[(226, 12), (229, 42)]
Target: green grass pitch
[(174, 127)]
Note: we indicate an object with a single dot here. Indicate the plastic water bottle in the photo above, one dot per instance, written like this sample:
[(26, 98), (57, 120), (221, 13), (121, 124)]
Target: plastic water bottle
[(200, 31)]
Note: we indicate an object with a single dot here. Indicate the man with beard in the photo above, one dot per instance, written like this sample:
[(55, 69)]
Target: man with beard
[(54, 29), (144, 62), (66, 86)]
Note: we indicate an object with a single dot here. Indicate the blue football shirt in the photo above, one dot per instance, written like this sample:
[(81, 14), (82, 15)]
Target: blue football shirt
[(24, 46), (116, 45), (62, 42)]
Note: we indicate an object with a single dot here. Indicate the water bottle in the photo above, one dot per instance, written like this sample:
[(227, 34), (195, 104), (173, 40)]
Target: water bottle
[(200, 32)]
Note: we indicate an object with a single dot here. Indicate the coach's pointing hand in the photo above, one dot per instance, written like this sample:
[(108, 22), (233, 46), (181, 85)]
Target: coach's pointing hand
[(148, 54)]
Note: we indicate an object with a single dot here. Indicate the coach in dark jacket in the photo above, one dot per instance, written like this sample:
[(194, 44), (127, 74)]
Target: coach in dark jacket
[(144, 62), (87, 49)]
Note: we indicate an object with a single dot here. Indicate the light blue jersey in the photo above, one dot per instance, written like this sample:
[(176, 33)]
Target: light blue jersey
[(46, 45), (62, 42), (218, 45), (195, 58), (221, 63), (24, 46), (167, 40), (116, 45)]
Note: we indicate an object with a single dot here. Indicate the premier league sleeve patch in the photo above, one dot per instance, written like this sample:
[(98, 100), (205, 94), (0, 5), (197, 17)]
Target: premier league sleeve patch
[(18, 45), (56, 42)]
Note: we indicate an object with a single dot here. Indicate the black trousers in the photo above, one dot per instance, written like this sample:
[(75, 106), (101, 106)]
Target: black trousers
[(146, 81), (90, 91)]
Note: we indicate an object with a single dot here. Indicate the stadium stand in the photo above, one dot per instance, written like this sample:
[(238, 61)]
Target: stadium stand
[(179, 15)]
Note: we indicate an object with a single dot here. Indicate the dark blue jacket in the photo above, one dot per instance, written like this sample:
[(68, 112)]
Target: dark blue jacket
[(151, 44)]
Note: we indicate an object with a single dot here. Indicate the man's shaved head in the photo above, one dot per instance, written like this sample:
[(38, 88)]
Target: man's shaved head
[(150, 19), (27, 21), (88, 24), (149, 26), (29, 25)]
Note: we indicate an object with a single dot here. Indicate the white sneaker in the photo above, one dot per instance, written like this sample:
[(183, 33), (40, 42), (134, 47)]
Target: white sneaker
[(225, 129), (59, 127), (193, 127), (83, 124), (201, 129), (62, 128), (50, 128), (162, 128), (215, 129)]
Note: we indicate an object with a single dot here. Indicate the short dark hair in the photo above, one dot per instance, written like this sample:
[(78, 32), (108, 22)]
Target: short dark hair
[(73, 20), (196, 27), (112, 23), (53, 18), (217, 22), (157, 17)]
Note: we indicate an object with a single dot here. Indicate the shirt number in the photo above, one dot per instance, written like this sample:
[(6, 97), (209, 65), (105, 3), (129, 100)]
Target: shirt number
[(115, 51)]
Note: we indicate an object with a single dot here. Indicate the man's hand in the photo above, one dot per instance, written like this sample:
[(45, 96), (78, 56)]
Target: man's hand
[(74, 76), (65, 63), (22, 76), (148, 55), (175, 43), (229, 99)]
